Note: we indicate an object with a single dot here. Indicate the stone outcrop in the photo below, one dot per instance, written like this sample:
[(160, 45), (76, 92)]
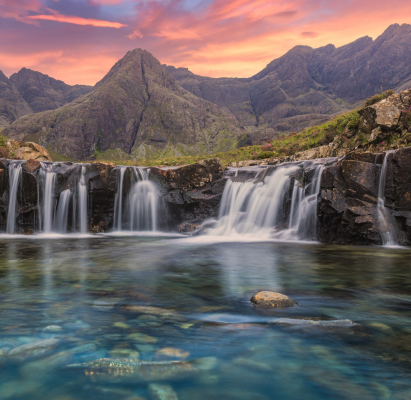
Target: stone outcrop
[(192, 192), (28, 151), (348, 211)]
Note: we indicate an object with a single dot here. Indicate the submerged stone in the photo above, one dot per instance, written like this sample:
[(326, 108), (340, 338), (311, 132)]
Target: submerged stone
[(141, 338), (170, 352), (159, 391), (295, 321), (272, 299), (35, 349)]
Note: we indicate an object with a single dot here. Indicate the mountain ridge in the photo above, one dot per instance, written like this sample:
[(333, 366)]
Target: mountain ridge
[(137, 109)]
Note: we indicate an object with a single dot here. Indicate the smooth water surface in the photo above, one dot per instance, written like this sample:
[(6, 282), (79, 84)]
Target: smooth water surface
[(176, 313)]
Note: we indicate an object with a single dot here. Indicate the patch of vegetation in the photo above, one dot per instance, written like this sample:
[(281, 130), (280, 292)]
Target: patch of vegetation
[(57, 156), (3, 141), (378, 97)]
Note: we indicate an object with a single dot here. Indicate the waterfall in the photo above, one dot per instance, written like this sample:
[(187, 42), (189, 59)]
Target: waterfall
[(142, 202), (48, 200), (62, 212), (257, 207), (386, 225), (14, 181), (118, 202), (82, 200)]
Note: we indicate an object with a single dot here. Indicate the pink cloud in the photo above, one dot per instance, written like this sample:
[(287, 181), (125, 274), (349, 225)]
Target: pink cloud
[(77, 20)]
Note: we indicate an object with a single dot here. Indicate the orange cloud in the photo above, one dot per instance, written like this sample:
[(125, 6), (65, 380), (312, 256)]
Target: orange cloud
[(77, 20)]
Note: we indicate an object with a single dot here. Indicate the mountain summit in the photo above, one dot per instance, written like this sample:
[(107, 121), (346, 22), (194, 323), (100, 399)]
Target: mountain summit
[(306, 85), (138, 109)]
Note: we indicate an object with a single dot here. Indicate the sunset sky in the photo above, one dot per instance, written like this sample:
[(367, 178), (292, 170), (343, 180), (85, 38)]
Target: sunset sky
[(78, 41)]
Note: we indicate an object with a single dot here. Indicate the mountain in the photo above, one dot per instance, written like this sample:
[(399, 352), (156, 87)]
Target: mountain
[(306, 86), (12, 104), (43, 93), (29, 91), (137, 108)]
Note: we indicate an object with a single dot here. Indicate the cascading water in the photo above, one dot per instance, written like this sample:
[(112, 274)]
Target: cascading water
[(118, 202), (142, 203), (49, 203), (256, 207), (14, 181), (62, 212), (82, 200), (384, 217)]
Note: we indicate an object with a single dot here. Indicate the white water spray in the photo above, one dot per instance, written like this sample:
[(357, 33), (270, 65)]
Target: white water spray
[(384, 217), (14, 181), (82, 197)]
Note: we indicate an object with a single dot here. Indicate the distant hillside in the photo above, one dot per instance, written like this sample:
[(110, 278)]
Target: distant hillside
[(136, 109), (307, 86), (29, 91)]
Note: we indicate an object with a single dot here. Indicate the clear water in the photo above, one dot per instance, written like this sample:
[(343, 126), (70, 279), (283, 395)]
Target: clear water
[(88, 297)]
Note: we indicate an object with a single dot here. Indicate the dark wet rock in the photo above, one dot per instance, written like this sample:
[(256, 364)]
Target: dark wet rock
[(272, 299), (361, 178), (368, 157)]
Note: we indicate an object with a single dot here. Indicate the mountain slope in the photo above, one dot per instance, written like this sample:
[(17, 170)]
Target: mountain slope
[(43, 93), (12, 104), (136, 108), (307, 86)]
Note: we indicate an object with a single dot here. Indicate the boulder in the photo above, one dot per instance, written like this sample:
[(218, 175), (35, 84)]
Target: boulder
[(384, 115), (188, 176), (28, 151), (272, 299)]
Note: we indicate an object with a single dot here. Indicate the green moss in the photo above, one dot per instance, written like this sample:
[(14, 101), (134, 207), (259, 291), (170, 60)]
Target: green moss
[(56, 156)]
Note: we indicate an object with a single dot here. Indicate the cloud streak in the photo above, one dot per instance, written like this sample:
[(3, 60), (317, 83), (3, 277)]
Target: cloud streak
[(77, 20)]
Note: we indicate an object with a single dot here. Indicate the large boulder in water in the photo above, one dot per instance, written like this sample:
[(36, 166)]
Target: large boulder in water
[(271, 299)]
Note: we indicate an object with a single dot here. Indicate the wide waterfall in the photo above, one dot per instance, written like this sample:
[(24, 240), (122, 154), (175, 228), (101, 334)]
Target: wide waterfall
[(14, 181), (141, 208), (260, 207)]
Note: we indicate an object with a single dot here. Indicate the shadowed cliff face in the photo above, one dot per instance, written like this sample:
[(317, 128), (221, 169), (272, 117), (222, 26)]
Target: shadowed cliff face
[(137, 108), (305, 86)]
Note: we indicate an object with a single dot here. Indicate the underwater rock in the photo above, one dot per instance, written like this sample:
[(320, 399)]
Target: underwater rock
[(272, 299), (295, 321), (122, 370), (53, 328), (161, 392), (141, 338), (169, 352), (34, 349)]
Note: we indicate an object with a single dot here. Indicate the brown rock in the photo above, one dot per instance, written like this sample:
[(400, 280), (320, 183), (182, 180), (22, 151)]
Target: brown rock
[(168, 353), (32, 151), (272, 299), (30, 166)]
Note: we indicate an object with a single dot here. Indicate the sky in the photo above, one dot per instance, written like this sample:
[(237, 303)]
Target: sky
[(78, 41)]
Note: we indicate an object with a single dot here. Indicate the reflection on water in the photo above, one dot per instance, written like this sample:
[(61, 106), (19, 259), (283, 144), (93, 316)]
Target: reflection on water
[(173, 318)]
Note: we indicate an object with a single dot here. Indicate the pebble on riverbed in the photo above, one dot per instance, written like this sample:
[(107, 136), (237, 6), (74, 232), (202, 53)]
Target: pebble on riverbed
[(272, 299)]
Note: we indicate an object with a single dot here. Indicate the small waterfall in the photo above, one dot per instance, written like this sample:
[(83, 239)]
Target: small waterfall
[(303, 213), (14, 181), (257, 207), (118, 202), (384, 217), (62, 212), (143, 202), (82, 200), (49, 204)]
